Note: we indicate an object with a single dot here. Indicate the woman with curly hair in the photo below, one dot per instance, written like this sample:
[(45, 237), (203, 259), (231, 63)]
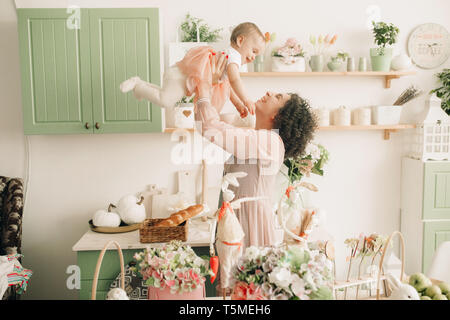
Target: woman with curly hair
[(284, 126)]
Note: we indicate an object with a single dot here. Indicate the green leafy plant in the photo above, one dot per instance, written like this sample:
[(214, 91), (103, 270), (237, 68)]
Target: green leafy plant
[(340, 57), (185, 99), (443, 92), (190, 27), (384, 33)]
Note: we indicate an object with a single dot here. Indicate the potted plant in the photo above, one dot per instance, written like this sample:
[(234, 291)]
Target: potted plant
[(283, 273), (184, 112), (337, 61), (443, 92), (384, 34), (194, 32), (289, 58), (258, 63), (317, 60), (173, 272)]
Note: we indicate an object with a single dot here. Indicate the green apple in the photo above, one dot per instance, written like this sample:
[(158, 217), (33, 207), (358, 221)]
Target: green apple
[(439, 297), (419, 281), (432, 291), (425, 298), (448, 296), (445, 287)]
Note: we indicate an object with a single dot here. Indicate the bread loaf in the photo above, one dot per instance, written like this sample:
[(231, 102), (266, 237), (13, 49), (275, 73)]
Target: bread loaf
[(179, 217)]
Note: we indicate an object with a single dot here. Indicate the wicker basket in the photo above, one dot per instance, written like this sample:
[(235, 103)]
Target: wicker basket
[(148, 233)]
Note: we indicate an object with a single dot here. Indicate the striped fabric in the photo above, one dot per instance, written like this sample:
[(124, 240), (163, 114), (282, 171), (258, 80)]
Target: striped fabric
[(19, 276)]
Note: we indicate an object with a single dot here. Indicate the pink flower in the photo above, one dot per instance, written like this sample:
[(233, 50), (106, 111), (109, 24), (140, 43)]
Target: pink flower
[(170, 282), (291, 42), (156, 275), (244, 291)]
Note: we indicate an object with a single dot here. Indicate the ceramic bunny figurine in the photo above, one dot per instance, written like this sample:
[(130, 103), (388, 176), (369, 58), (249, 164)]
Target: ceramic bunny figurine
[(400, 290)]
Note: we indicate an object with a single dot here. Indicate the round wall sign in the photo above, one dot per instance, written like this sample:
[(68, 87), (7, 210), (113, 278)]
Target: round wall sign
[(429, 45)]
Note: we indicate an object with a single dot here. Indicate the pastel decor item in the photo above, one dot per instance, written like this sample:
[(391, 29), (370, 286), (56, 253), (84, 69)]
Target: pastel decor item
[(430, 140), (296, 64), (362, 65), (323, 116), (106, 218), (342, 116), (401, 62), (131, 209), (400, 290), (386, 115), (316, 63), (361, 117), (184, 115), (334, 65), (258, 63), (165, 294), (381, 59), (350, 64)]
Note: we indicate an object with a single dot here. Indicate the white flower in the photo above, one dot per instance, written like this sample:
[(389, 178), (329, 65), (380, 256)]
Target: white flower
[(313, 150), (252, 253), (298, 287), (281, 277)]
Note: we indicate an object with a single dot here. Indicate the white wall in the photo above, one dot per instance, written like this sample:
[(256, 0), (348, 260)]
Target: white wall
[(72, 175)]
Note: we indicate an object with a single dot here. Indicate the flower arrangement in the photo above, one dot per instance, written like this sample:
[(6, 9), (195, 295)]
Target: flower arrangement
[(174, 265), (384, 33), (310, 161), (289, 52), (195, 29), (322, 43), (288, 273)]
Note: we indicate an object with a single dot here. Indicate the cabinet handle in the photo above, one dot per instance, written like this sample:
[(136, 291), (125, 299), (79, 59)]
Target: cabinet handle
[(97, 125), (86, 125)]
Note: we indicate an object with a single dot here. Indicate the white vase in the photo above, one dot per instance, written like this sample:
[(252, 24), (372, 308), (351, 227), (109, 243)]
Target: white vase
[(184, 115), (323, 117), (401, 62), (294, 64), (342, 116)]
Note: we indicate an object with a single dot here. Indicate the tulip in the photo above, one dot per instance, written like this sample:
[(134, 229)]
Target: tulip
[(312, 39), (320, 39), (267, 36), (333, 40)]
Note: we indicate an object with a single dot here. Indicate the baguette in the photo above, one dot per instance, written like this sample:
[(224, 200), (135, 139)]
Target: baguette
[(179, 217)]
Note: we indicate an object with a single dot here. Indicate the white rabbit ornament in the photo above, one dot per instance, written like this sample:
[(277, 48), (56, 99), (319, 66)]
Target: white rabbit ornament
[(400, 290)]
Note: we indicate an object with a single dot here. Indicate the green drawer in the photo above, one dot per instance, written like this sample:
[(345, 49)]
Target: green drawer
[(436, 193), (434, 234)]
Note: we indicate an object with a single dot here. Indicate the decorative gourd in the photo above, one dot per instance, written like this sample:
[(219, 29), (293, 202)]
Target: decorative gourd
[(131, 209), (106, 218)]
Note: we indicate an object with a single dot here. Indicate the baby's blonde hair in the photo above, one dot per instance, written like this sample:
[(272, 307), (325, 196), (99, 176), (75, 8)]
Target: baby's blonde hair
[(244, 29)]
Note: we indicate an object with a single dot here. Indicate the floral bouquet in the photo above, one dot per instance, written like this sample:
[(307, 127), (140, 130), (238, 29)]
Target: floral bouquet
[(287, 273), (289, 52), (322, 43), (174, 266), (310, 161)]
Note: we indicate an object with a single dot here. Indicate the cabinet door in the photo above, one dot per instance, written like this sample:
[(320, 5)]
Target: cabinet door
[(55, 71), (436, 194), (124, 43), (434, 234)]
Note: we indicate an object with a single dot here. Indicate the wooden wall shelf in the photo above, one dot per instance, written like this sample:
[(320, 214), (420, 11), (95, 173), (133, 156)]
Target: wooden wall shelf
[(387, 128), (388, 76)]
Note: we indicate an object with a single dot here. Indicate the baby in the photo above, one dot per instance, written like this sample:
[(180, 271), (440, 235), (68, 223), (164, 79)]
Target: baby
[(247, 41)]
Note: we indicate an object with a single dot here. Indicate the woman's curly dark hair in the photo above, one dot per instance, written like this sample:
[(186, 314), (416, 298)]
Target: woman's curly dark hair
[(296, 124)]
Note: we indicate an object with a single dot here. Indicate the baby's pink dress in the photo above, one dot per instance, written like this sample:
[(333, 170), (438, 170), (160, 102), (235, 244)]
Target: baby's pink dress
[(259, 153), (196, 65)]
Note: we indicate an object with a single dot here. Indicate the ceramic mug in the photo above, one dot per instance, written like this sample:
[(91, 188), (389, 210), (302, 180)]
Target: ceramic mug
[(316, 63)]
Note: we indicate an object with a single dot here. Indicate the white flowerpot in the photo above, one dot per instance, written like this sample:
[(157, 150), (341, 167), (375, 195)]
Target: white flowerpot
[(184, 115), (386, 114), (293, 64)]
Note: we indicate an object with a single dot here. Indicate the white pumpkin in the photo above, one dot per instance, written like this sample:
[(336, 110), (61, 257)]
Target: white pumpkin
[(131, 209), (106, 218)]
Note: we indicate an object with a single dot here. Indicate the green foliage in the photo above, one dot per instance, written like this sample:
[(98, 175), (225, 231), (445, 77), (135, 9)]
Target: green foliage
[(186, 99), (189, 28), (340, 57), (384, 33), (443, 92)]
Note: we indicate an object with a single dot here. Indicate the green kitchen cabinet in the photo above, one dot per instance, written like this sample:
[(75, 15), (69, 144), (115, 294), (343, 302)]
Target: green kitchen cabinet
[(110, 269), (71, 72), (425, 210)]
